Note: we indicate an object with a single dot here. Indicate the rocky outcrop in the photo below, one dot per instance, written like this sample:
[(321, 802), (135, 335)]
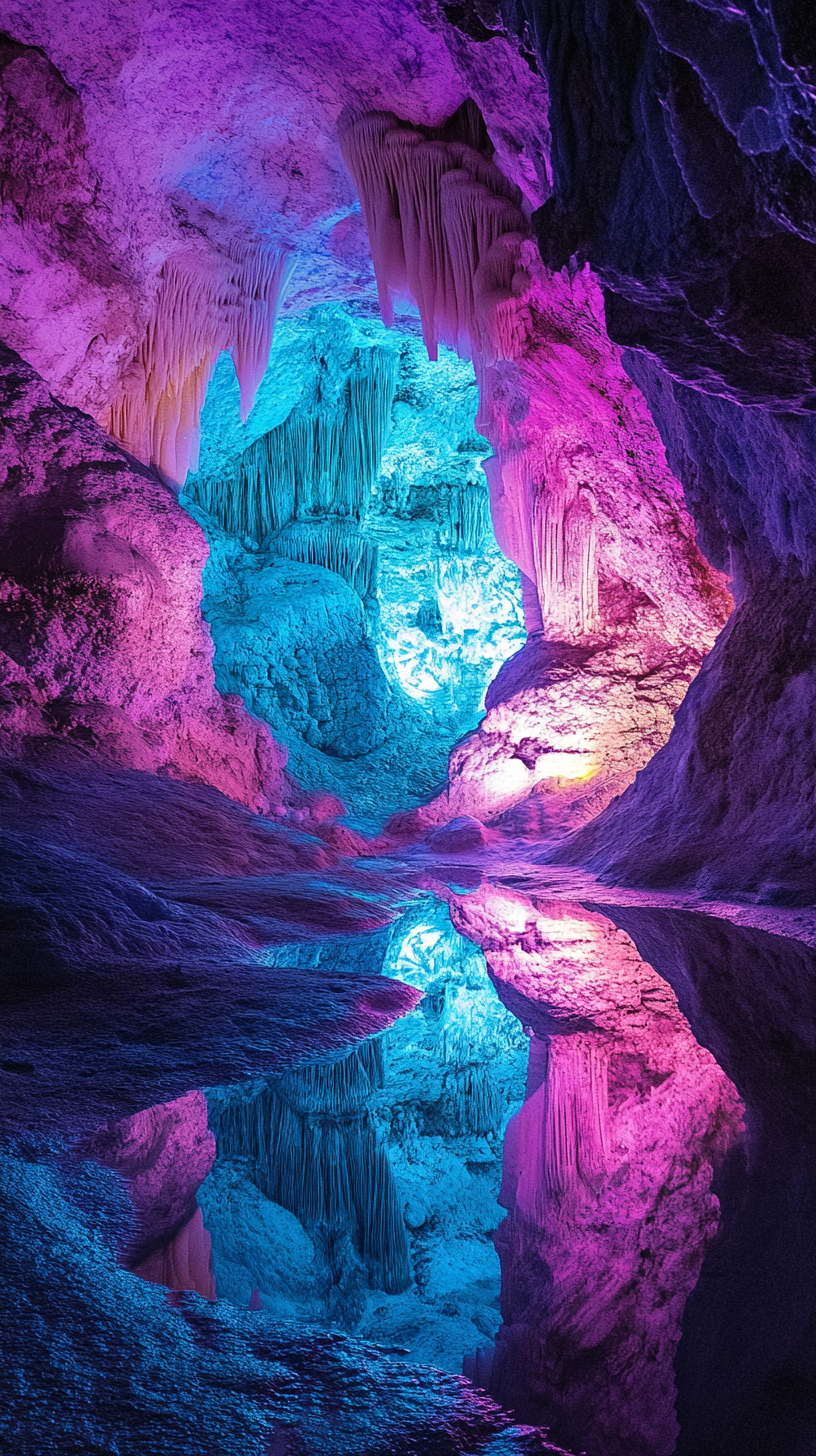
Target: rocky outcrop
[(103, 639), (729, 805), (199, 133), (683, 172), (73, 294)]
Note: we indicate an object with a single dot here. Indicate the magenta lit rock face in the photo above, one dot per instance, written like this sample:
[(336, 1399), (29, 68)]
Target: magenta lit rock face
[(104, 640), (621, 605), (164, 1154), (607, 1174)]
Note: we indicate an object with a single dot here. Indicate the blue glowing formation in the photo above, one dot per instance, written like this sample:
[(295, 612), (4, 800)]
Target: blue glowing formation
[(357, 598), (362, 1193)]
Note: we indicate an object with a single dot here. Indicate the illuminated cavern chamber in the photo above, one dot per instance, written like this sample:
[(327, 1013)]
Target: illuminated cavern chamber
[(361, 654), (356, 595)]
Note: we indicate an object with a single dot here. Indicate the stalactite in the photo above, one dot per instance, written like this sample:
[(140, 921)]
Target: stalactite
[(446, 229), (465, 519), (362, 146), (500, 285), (433, 210), (316, 1152), (475, 1100), (565, 552), (336, 545), (205, 305), (336, 1088), (321, 462), (557, 1146)]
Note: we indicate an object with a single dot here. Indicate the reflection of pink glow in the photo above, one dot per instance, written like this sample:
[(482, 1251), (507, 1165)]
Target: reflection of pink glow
[(557, 1145), (607, 1168), (164, 1154), (183, 1263)]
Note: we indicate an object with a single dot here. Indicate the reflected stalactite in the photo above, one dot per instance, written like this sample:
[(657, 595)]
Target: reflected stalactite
[(315, 1151)]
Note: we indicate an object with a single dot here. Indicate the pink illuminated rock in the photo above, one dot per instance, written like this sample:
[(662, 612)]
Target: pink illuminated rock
[(607, 1174), (207, 125), (620, 603), (164, 1154), (104, 642), (184, 1263)]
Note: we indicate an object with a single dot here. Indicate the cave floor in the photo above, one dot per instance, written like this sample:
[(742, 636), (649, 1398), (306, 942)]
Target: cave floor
[(167, 940)]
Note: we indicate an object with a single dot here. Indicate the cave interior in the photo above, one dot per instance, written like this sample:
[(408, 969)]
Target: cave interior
[(408, 728)]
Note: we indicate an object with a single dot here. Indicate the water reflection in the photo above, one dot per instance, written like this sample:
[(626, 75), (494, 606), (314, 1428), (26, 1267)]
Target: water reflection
[(607, 1174), (363, 1193), (565, 1099)]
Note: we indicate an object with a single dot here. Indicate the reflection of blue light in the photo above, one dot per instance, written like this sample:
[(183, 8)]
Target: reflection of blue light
[(473, 1024)]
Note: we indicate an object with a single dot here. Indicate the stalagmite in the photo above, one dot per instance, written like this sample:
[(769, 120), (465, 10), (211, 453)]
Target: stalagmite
[(320, 462), (476, 1100), (466, 518), (207, 303)]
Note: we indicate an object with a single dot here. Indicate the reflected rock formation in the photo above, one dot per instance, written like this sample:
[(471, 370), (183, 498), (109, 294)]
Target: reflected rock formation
[(608, 1171)]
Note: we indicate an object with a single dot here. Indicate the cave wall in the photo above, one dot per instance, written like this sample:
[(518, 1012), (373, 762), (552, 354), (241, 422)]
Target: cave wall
[(683, 172), (103, 640), (689, 198), (730, 802)]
